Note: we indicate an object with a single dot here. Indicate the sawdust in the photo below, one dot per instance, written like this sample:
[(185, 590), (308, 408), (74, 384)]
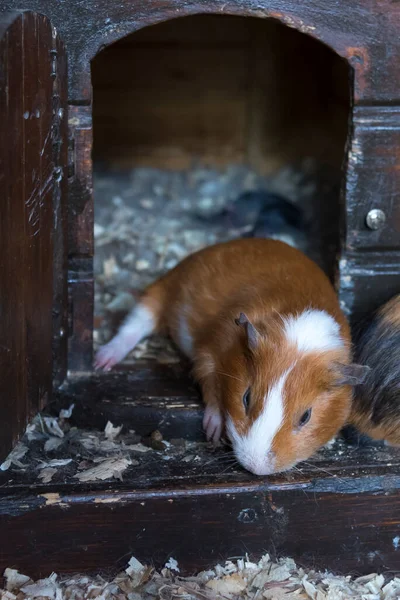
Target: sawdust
[(14, 579), (107, 468), (242, 579), (90, 455), (112, 432), (14, 458), (172, 565), (47, 474), (137, 573), (141, 448)]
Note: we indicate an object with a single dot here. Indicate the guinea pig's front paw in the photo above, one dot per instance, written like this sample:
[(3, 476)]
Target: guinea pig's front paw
[(213, 423), (108, 356)]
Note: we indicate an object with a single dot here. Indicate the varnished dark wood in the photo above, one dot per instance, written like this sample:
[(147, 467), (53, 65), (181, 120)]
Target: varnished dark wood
[(12, 323), (370, 261), (80, 326), (364, 34), (373, 179), (80, 240), (60, 213), (345, 519), (80, 208), (29, 166), (367, 281), (143, 398)]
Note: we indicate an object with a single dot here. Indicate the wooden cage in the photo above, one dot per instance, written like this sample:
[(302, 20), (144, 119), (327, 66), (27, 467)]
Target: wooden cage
[(50, 55)]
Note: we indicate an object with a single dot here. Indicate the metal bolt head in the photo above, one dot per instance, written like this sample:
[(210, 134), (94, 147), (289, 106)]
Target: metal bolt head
[(58, 174), (375, 219)]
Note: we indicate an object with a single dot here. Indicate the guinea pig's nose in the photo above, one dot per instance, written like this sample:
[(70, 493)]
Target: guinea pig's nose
[(263, 466)]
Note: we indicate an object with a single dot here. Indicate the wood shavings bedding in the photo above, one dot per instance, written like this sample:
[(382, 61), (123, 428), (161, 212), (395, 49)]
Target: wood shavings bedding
[(106, 469), (242, 579), (60, 452)]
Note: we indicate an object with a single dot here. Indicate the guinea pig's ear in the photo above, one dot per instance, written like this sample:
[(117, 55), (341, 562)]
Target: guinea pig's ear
[(251, 332), (351, 374)]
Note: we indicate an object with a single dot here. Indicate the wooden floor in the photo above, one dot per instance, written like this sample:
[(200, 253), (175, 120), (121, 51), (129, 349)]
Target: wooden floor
[(340, 511)]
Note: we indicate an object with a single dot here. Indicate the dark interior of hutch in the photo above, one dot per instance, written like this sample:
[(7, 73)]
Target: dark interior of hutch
[(195, 121)]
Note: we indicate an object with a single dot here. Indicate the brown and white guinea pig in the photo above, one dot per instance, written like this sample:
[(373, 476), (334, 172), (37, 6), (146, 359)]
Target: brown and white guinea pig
[(269, 344), (376, 404)]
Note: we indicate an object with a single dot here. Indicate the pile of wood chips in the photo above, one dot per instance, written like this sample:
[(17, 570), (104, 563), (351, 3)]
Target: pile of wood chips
[(56, 452), (265, 580)]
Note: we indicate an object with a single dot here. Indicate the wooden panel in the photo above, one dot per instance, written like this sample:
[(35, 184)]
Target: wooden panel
[(369, 270), (80, 186), (80, 240), (143, 397), (27, 173), (37, 171), (373, 177), (60, 212), (344, 519), (364, 33), (14, 398), (367, 281), (201, 30), (80, 298)]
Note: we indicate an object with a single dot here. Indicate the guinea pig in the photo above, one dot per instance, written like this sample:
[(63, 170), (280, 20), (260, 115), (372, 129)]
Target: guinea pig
[(376, 404), (269, 344)]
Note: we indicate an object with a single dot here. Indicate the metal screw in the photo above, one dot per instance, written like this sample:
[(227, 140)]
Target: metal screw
[(375, 219), (58, 173)]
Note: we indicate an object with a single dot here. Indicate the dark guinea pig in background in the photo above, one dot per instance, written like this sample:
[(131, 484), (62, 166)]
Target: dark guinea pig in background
[(264, 214), (376, 404)]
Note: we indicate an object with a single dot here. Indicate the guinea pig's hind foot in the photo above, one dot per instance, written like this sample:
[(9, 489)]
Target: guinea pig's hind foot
[(139, 324), (110, 354), (213, 423)]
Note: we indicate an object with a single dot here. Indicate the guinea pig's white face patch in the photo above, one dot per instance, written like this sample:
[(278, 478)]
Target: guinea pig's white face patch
[(253, 450), (313, 331)]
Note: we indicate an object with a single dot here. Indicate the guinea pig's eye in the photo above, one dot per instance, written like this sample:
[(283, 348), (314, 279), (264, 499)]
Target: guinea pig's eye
[(305, 417), (246, 400)]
